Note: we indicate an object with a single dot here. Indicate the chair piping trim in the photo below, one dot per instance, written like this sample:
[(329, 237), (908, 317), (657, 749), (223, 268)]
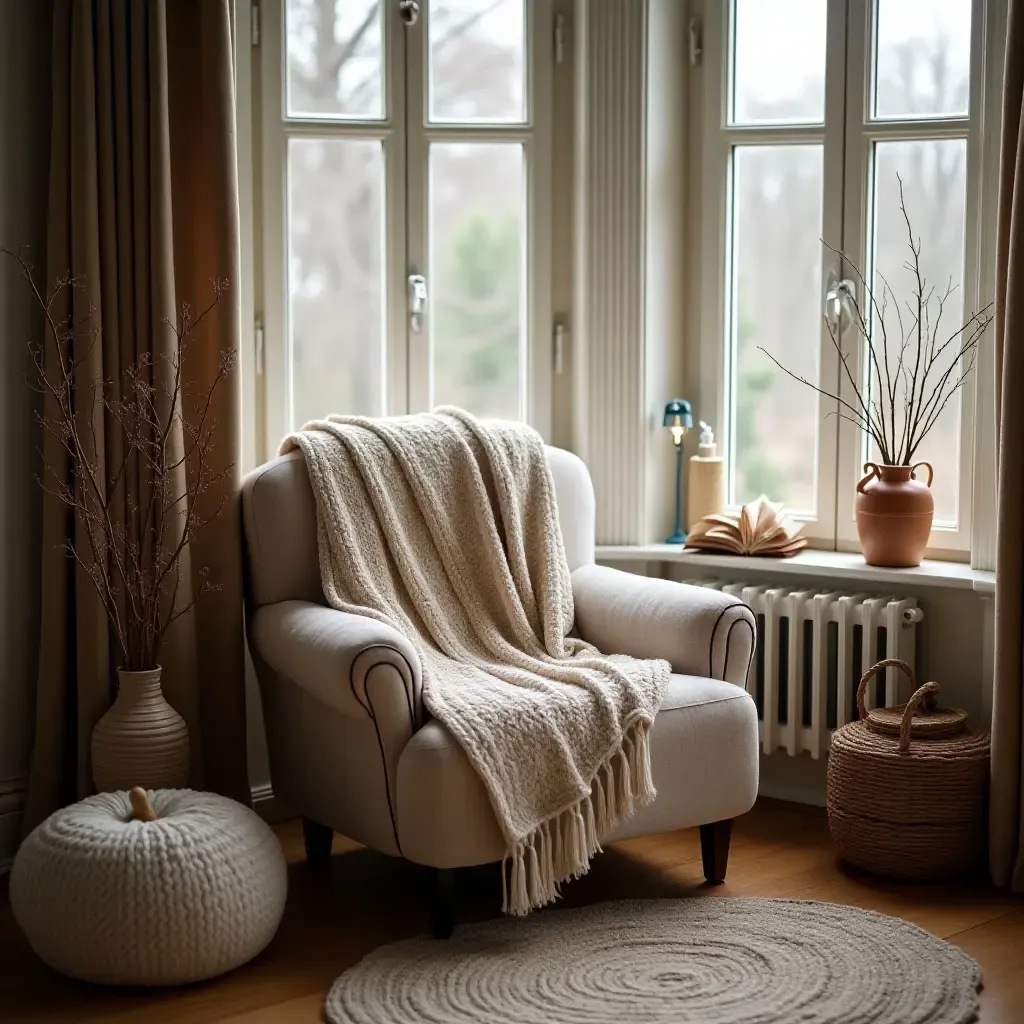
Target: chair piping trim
[(372, 714), (711, 642), (745, 621)]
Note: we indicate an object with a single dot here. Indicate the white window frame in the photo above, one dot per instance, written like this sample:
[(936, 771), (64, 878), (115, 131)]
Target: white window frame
[(276, 131), (862, 135), (534, 135), (405, 139), (718, 140), (848, 137)]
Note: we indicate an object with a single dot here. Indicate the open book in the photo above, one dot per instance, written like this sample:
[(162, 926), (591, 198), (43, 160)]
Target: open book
[(761, 528)]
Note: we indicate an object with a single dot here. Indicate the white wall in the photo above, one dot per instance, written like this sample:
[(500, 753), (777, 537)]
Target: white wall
[(629, 268), (665, 251), (563, 170), (24, 161)]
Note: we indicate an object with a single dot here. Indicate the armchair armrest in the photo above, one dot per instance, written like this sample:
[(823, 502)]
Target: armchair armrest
[(700, 632), (354, 664)]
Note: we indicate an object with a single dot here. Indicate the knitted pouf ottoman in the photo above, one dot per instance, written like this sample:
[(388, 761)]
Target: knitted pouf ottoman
[(162, 889)]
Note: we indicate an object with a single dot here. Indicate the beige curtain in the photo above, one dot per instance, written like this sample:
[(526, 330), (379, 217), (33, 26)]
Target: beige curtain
[(1007, 797), (144, 208)]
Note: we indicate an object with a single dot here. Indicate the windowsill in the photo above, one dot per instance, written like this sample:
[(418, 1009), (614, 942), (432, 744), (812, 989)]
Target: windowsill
[(841, 565)]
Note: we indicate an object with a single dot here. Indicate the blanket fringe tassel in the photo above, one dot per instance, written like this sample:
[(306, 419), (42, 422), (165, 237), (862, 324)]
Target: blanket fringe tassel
[(561, 847)]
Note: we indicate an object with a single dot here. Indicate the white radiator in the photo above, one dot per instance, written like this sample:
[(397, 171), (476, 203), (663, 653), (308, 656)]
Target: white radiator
[(812, 648)]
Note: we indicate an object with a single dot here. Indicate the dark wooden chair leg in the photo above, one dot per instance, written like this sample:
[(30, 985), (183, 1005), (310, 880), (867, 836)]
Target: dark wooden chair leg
[(442, 903), (714, 849), (317, 839)]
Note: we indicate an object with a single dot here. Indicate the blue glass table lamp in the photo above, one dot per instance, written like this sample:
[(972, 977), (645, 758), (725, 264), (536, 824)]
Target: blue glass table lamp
[(678, 419)]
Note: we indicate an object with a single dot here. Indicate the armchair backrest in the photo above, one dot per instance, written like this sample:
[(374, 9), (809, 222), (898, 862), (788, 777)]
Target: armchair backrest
[(279, 523)]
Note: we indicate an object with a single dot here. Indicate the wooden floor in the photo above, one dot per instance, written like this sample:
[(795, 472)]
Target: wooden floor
[(365, 899)]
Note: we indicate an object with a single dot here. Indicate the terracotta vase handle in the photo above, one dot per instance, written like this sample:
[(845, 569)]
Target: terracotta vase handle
[(872, 471), (931, 472)]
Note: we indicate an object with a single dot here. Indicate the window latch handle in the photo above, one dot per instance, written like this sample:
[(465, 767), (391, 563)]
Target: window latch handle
[(417, 301), (838, 300)]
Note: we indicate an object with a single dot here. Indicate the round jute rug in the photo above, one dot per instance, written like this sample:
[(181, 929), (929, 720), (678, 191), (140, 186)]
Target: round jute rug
[(709, 960)]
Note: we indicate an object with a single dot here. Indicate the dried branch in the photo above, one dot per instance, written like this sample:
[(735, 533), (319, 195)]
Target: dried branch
[(918, 369), (866, 423), (134, 565), (870, 414), (915, 269), (862, 325)]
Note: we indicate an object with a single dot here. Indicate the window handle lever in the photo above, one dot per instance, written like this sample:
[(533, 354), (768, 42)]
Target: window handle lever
[(417, 301), (839, 299)]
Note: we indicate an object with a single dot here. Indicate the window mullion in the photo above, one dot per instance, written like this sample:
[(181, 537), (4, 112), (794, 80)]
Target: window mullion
[(946, 128), (837, 107), (371, 130), (416, 193), (987, 55), (272, 305), (855, 207)]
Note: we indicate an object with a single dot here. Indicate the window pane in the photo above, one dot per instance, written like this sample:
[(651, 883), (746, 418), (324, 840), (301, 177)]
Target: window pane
[(775, 303), (476, 258), (922, 58), (778, 71), (934, 186), (335, 59), (335, 277), (476, 60)]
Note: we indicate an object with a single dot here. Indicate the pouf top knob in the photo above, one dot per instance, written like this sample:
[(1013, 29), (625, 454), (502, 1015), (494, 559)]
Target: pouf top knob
[(142, 809)]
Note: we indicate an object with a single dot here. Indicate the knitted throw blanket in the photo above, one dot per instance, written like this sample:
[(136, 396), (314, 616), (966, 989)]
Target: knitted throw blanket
[(445, 527)]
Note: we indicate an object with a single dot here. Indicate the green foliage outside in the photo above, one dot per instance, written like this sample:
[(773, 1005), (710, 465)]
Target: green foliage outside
[(477, 326), (756, 472)]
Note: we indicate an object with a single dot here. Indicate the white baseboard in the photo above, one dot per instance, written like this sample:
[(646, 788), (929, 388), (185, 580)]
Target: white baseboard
[(800, 779)]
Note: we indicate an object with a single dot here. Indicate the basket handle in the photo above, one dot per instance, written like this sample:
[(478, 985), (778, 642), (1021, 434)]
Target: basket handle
[(866, 678), (906, 722)]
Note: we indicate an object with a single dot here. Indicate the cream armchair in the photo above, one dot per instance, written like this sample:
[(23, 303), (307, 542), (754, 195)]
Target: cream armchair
[(353, 750)]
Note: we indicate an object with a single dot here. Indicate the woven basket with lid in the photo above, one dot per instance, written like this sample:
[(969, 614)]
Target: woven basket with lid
[(907, 786)]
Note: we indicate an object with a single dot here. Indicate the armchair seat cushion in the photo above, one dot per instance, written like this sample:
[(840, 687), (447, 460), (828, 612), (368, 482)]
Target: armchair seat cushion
[(704, 758)]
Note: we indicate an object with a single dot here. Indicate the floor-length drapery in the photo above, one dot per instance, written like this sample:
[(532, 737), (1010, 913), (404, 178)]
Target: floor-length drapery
[(144, 209), (1007, 796)]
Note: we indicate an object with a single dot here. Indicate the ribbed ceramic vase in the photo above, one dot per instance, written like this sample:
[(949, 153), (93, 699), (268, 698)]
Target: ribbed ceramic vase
[(894, 514), (141, 740)]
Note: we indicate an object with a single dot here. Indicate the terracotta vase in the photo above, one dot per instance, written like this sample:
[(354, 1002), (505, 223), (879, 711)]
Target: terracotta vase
[(894, 514), (141, 740)]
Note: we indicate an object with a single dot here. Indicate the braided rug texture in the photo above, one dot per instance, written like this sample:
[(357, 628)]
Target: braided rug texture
[(197, 892), (709, 960)]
